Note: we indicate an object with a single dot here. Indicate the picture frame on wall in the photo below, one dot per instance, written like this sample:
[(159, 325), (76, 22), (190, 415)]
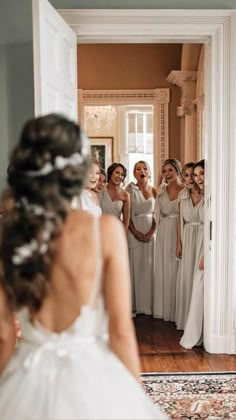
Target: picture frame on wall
[(102, 150)]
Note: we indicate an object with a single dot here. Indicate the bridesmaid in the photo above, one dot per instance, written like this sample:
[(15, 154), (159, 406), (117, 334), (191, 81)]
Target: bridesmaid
[(102, 182), (141, 238), (194, 325), (190, 200), (114, 200), (166, 264), (88, 199)]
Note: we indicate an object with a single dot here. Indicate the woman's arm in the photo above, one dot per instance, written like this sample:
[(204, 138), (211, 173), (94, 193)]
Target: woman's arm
[(151, 232), (7, 330), (126, 210), (179, 242), (138, 235), (117, 293)]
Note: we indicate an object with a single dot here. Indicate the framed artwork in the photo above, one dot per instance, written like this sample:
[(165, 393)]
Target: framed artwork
[(102, 149)]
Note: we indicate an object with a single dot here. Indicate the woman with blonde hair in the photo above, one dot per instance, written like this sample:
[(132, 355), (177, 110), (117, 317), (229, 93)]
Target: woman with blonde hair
[(141, 238), (166, 265)]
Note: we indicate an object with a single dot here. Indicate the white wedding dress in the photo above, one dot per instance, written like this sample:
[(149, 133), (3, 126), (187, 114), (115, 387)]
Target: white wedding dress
[(73, 374)]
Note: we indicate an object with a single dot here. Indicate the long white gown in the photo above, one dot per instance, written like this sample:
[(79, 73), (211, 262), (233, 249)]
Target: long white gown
[(189, 227), (71, 375), (141, 254), (166, 264), (110, 206), (194, 324)]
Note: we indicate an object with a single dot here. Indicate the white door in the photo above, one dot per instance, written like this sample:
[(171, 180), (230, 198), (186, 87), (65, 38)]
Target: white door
[(55, 62)]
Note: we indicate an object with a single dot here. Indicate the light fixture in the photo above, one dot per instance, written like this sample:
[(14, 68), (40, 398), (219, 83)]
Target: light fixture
[(100, 116)]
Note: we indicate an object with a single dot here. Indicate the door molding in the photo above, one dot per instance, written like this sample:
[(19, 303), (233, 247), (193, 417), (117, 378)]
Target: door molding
[(217, 30)]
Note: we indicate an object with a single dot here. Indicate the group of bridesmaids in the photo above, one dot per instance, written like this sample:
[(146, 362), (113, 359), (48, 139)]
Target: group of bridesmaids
[(165, 229)]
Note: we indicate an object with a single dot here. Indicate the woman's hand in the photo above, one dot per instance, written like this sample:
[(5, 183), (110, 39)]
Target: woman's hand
[(179, 250), (140, 236), (201, 264), (148, 236)]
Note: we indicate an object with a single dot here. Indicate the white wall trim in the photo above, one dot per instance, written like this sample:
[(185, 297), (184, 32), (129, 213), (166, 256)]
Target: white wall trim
[(159, 98), (217, 29)]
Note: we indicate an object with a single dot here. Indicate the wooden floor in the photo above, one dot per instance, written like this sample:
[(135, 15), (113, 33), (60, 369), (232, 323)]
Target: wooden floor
[(160, 350)]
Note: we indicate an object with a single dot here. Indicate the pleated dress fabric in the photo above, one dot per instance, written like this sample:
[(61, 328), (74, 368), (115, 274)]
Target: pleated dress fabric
[(109, 206)]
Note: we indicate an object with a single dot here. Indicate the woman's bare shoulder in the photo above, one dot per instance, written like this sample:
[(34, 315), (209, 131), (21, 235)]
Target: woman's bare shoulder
[(110, 223), (78, 219), (124, 195), (84, 222)]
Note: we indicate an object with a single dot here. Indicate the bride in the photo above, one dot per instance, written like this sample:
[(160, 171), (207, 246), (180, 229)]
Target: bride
[(68, 273)]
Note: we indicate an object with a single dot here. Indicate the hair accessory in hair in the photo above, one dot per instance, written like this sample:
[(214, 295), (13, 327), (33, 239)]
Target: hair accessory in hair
[(36, 209), (24, 252), (60, 163)]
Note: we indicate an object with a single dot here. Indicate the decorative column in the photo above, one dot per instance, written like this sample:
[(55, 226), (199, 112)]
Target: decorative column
[(186, 80), (200, 126)]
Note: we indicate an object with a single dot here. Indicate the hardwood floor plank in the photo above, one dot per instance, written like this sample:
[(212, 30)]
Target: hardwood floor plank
[(160, 350)]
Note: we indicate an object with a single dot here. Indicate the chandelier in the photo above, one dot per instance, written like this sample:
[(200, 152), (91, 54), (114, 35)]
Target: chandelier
[(100, 116)]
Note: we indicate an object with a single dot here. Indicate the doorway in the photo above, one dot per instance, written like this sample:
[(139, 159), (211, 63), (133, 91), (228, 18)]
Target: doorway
[(217, 30)]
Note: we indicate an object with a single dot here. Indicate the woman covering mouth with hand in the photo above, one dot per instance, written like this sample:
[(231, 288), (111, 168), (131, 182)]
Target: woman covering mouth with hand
[(141, 238)]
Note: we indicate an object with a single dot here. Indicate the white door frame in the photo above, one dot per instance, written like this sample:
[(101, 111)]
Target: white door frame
[(217, 29)]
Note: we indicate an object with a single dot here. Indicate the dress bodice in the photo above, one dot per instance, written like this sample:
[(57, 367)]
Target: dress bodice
[(201, 213), (109, 206), (91, 323), (189, 212), (140, 206), (167, 207)]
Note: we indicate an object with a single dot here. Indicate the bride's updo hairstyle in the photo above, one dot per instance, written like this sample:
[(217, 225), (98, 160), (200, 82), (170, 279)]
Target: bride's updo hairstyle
[(47, 169)]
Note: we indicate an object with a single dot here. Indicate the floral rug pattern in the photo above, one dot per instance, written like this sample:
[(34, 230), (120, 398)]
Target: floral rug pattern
[(209, 396)]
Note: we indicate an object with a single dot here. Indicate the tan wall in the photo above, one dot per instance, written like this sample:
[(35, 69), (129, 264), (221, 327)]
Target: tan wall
[(133, 66)]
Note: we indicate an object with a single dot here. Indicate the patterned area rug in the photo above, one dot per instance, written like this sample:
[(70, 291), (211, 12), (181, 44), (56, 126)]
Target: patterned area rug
[(194, 396)]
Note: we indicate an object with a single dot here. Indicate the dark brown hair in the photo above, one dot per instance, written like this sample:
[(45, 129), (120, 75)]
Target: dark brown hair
[(112, 167), (41, 202), (200, 163)]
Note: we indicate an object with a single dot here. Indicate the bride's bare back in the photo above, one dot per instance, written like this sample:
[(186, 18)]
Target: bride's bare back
[(79, 251), (73, 276)]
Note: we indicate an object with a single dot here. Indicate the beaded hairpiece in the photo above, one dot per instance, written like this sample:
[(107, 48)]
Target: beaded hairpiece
[(25, 251), (61, 162)]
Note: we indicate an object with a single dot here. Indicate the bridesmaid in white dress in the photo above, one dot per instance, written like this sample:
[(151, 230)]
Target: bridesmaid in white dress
[(88, 199), (68, 272), (194, 325), (114, 200), (166, 264), (190, 199), (141, 239)]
